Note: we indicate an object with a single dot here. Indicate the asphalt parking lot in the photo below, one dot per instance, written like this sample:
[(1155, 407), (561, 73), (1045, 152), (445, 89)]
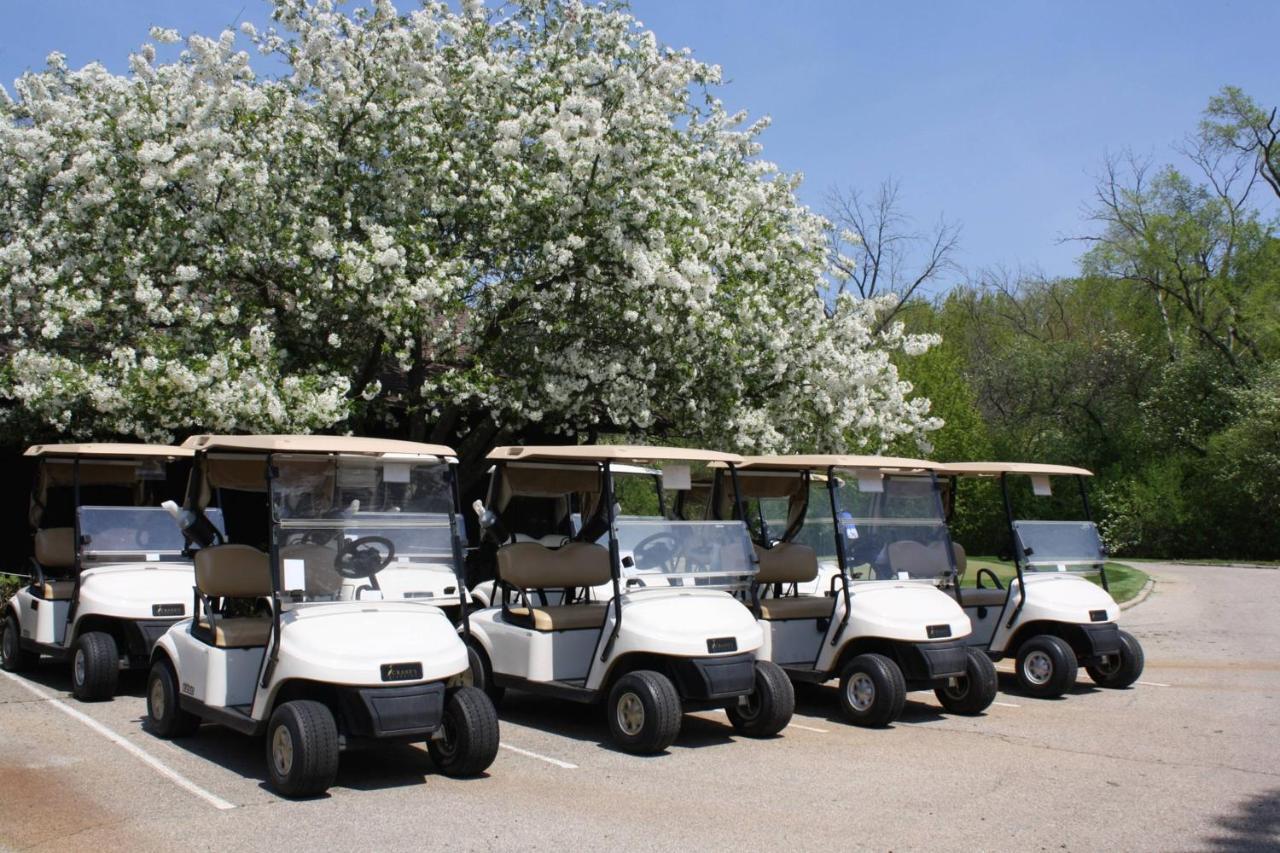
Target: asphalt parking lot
[(1188, 759)]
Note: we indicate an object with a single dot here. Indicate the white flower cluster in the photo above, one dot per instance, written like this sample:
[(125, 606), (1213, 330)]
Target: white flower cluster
[(537, 214)]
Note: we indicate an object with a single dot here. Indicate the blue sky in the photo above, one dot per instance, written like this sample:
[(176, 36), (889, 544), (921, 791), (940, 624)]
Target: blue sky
[(993, 114)]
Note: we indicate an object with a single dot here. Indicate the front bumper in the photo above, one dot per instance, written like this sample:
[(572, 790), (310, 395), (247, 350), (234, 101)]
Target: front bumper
[(713, 678), (1099, 640), (394, 712), (933, 661)]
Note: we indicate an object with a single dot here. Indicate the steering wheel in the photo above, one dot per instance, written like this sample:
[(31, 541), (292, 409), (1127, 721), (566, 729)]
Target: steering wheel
[(656, 550), (995, 581), (360, 558)]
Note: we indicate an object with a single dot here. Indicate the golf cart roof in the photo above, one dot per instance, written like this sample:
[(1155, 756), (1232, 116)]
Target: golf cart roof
[(112, 450), (314, 444), (993, 469), (582, 453), (823, 461)]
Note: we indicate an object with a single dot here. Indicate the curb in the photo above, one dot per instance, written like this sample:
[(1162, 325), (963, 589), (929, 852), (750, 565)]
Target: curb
[(1143, 594)]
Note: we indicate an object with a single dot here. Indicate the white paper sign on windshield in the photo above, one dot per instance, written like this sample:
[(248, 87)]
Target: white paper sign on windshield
[(395, 472), (1040, 485), (153, 558), (295, 574), (677, 477), (870, 481)]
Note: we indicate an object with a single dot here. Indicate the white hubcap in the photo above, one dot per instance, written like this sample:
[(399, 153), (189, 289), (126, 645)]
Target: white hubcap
[(630, 714), (79, 666), (862, 691), (282, 750), (1038, 667), (157, 699)]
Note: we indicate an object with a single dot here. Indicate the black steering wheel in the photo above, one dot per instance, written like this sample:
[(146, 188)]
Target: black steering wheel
[(360, 558), (995, 581), (656, 550)]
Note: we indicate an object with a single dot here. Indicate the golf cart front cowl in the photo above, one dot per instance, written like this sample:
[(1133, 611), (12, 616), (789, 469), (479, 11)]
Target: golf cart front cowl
[(682, 621), (907, 611), (137, 590), (365, 643), (1065, 597)]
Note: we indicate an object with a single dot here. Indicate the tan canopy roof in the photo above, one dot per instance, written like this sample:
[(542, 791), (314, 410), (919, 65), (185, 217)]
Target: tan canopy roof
[(609, 452), (118, 449), (822, 461), (992, 469), (313, 444)]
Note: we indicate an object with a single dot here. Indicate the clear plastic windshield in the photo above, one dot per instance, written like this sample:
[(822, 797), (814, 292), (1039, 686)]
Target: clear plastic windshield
[(364, 528), (1059, 546), (657, 552), (894, 527), (133, 533)]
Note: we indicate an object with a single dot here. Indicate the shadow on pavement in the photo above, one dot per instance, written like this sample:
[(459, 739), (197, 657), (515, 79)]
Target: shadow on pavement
[(1254, 826), (1009, 684), (587, 723), (56, 676), (823, 701)]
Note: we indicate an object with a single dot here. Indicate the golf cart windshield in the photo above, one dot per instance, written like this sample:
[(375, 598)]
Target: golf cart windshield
[(141, 533), (352, 526), (1059, 546), (893, 526), (655, 551)]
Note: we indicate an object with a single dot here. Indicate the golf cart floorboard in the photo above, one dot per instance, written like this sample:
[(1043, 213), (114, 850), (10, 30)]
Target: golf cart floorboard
[(233, 717), (807, 674), (558, 689)]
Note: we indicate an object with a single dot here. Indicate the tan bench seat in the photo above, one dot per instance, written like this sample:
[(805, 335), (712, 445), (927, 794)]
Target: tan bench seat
[(239, 632), (797, 607), (982, 597), (563, 617)]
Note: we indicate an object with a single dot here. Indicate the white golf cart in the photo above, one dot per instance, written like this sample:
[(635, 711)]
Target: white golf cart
[(110, 573), (667, 635), (879, 621), (1051, 617), (293, 636)]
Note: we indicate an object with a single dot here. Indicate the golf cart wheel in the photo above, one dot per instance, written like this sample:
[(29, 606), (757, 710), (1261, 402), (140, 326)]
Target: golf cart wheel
[(973, 692), (872, 691), (1046, 666), (13, 657), (1121, 670), (302, 748), (481, 675), (95, 667), (768, 708), (644, 712), (468, 742), (165, 715)]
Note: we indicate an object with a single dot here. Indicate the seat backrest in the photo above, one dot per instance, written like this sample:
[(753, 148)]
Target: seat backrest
[(56, 547), (529, 565), (787, 562), (908, 556), (233, 571), (318, 560)]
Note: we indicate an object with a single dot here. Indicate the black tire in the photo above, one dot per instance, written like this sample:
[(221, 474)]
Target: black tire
[(973, 692), (644, 712), (469, 738), (1123, 669), (1046, 666), (165, 715), (302, 748), (872, 691), (768, 709), (95, 667), (482, 674), (13, 657)]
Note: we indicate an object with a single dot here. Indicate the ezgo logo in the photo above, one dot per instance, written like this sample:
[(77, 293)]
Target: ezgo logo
[(401, 671)]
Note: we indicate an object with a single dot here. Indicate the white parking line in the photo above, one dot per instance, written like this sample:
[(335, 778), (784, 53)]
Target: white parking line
[(1154, 684), (557, 762), (1006, 704), (133, 749), (807, 728)]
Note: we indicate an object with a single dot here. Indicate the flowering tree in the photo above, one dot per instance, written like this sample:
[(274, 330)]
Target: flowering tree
[(471, 226)]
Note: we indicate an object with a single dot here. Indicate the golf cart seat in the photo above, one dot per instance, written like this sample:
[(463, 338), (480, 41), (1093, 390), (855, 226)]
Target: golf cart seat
[(785, 563), (551, 540), (918, 558), (529, 565), (56, 547), (232, 571), (322, 577)]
